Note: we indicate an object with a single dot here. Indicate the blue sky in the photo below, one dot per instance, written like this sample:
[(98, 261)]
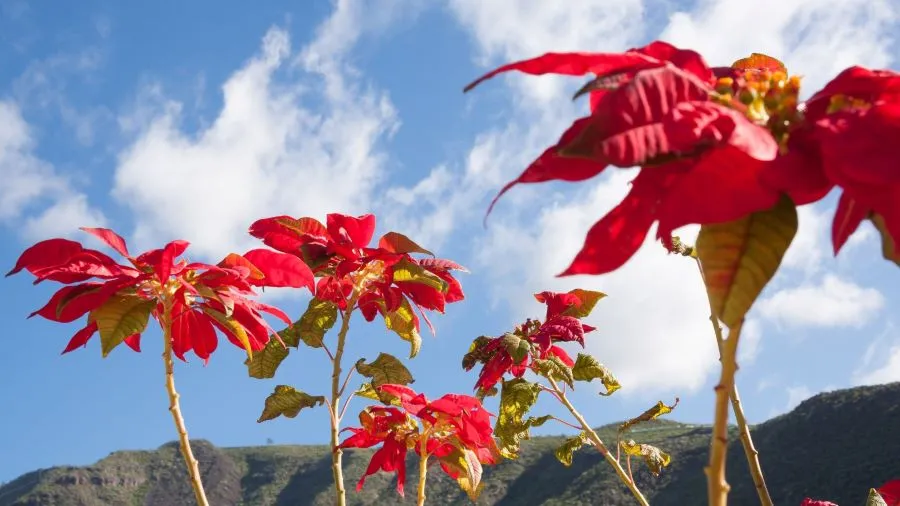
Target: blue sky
[(190, 121)]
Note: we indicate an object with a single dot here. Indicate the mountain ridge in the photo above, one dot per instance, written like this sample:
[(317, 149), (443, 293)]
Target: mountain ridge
[(834, 445)]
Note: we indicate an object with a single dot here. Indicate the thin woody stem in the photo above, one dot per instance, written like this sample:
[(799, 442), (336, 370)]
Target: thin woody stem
[(336, 453), (423, 469), (175, 408), (598, 443), (750, 450), (717, 485)]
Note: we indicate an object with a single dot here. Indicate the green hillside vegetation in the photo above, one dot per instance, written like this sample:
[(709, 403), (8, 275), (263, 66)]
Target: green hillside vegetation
[(834, 445)]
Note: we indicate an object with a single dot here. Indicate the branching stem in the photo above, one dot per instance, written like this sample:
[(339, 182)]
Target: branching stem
[(598, 443), (336, 452)]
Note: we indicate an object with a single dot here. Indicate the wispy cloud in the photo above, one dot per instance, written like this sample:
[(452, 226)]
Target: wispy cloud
[(302, 145), (834, 302)]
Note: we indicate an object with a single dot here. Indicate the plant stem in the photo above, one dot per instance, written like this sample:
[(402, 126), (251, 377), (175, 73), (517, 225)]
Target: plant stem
[(423, 470), (746, 440), (598, 443), (715, 473), (336, 453), (175, 408)]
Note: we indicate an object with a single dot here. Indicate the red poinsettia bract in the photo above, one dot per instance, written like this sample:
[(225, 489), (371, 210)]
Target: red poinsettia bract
[(385, 279), (847, 138), (715, 144), (656, 107), (194, 298), (454, 429), (515, 352)]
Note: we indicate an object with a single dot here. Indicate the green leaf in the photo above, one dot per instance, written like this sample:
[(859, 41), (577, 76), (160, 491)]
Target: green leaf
[(653, 413), (266, 361), (385, 369), (655, 458), (587, 368), (120, 317), (398, 243), (589, 299), (410, 272), (403, 322), (740, 257), (888, 247), (553, 367), (476, 353), (567, 450), (288, 401), (319, 318), (367, 391), (517, 396), (517, 347), (875, 499), (234, 326)]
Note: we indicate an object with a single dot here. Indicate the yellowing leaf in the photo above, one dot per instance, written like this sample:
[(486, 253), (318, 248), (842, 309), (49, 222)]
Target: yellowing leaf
[(589, 299), (398, 243), (553, 367), (407, 271), (888, 247), (385, 369), (566, 452), (232, 325), (759, 61), (875, 499), (465, 462), (517, 396), (367, 391), (587, 368), (402, 322), (266, 361), (311, 328), (740, 257), (288, 401), (653, 413), (655, 458), (517, 347), (120, 317)]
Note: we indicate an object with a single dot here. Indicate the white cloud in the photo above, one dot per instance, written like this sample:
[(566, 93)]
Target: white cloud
[(833, 302), (30, 184), (815, 38), (303, 146), (888, 372), (654, 328)]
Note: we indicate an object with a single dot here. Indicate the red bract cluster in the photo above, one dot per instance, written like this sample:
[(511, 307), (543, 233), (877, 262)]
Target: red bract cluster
[(455, 430), (715, 144), (383, 279), (515, 352), (195, 298)]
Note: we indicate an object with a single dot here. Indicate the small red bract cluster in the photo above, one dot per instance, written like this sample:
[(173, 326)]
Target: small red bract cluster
[(197, 298), (455, 430), (514, 353), (715, 144), (382, 280)]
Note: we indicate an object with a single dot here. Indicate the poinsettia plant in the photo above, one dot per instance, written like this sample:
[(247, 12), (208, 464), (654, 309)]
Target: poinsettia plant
[(454, 430), (385, 280), (535, 347), (188, 300), (732, 149)]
